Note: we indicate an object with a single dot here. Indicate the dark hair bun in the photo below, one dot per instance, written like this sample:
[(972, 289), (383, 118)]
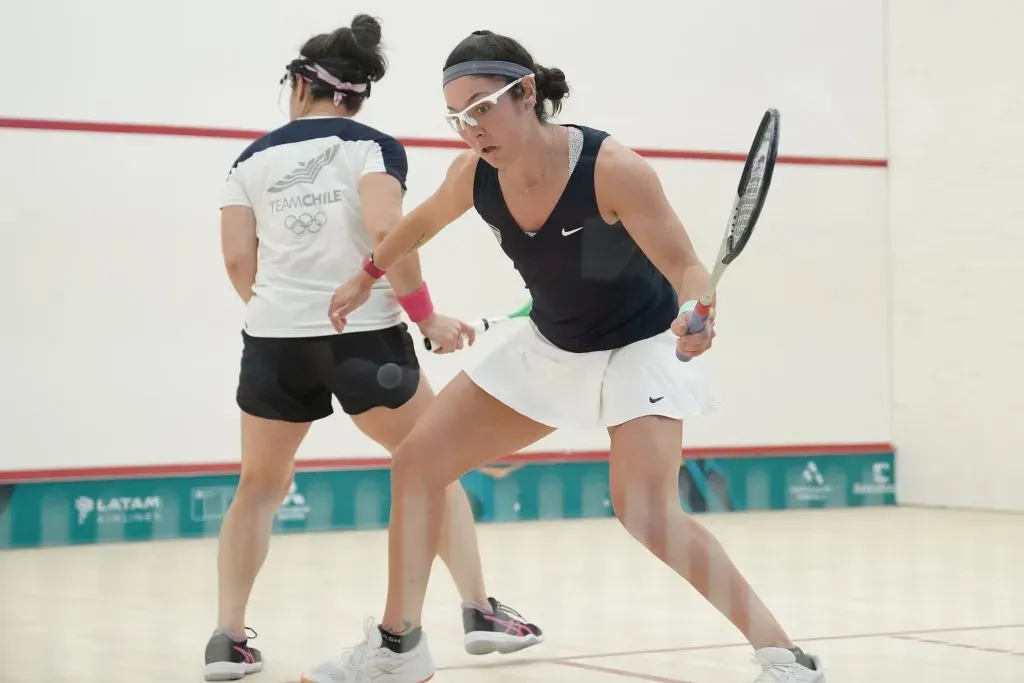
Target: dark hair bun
[(351, 51), (551, 87), (366, 31), (359, 45), (551, 83)]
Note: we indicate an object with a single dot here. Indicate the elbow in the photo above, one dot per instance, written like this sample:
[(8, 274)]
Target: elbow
[(679, 267), (239, 263), (688, 262)]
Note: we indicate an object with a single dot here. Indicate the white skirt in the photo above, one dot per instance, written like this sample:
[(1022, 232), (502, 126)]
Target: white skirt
[(568, 390)]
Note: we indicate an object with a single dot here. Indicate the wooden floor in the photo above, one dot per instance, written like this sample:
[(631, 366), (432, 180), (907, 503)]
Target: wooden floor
[(883, 595)]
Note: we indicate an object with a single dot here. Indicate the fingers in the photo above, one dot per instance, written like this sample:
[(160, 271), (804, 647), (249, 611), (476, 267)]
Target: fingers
[(695, 343), (470, 332), (441, 341), (338, 313), (681, 324), (454, 338), (456, 342), (338, 321), (446, 347)]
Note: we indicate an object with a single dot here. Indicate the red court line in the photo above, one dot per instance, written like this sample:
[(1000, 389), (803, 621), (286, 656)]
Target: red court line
[(434, 143), (230, 468), (725, 646), (964, 646), (814, 639)]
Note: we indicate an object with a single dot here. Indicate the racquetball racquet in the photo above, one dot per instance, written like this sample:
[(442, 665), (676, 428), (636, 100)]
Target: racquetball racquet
[(746, 208), (484, 324)]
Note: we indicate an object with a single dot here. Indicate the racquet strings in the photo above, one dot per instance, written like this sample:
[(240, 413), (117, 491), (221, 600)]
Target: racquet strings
[(752, 196), (751, 199)]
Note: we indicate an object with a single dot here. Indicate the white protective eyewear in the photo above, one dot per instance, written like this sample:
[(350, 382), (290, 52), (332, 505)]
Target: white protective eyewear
[(460, 120)]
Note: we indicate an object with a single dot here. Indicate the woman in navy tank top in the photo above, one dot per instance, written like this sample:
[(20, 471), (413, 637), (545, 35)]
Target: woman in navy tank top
[(607, 261)]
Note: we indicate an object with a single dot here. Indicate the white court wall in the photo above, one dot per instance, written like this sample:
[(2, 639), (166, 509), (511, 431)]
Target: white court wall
[(122, 333), (955, 111)]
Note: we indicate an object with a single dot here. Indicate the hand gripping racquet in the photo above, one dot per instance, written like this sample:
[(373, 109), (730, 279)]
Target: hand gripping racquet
[(484, 324)]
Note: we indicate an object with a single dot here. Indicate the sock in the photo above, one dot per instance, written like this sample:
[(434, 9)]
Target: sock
[(232, 634), (401, 643), (486, 609), (802, 659)]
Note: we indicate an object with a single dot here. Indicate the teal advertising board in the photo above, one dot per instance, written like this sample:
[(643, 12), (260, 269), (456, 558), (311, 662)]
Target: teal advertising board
[(131, 509)]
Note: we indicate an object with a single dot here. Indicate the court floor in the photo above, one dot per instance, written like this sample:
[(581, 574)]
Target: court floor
[(885, 595)]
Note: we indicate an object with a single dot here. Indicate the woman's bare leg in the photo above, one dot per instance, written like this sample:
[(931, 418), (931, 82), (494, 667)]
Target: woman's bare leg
[(458, 549), (268, 457), (645, 460), (463, 427)]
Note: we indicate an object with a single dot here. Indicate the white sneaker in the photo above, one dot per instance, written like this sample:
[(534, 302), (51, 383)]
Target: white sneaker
[(370, 661), (780, 665)]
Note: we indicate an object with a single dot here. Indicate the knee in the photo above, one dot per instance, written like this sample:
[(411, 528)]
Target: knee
[(267, 483), (644, 505), (410, 463)]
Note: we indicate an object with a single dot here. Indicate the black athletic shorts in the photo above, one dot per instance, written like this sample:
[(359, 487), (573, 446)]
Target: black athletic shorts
[(293, 379)]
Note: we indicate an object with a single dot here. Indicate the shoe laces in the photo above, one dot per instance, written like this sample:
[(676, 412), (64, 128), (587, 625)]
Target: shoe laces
[(506, 611), (773, 672), (355, 656), (245, 633)]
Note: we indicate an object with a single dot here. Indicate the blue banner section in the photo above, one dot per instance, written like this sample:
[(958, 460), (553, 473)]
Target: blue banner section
[(94, 511)]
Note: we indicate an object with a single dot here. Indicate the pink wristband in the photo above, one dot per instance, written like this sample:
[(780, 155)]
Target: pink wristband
[(418, 304), (371, 268)]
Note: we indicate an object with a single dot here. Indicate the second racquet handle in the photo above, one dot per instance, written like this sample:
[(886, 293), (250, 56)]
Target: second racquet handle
[(481, 325)]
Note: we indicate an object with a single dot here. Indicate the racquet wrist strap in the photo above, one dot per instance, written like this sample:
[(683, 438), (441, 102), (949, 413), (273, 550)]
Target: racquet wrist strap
[(417, 304), (371, 268)]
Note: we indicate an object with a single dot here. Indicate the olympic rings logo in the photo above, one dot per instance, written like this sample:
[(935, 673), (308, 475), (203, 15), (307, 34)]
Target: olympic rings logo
[(305, 222)]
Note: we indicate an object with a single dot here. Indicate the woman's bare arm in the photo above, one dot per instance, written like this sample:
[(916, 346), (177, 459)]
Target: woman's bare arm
[(238, 245), (629, 187), (452, 199)]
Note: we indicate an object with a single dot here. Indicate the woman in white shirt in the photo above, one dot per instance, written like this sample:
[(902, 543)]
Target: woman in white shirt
[(302, 205)]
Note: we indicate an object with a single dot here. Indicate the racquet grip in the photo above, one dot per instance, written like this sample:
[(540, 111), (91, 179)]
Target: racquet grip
[(694, 324), (481, 325)]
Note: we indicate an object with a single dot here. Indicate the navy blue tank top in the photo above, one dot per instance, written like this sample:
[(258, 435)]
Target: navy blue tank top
[(593, 288)]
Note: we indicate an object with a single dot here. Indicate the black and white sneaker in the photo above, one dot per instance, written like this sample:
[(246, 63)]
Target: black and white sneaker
[(228, 659), (504, 631)]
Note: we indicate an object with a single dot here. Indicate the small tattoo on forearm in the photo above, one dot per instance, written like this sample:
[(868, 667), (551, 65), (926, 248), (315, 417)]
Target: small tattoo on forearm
[(418, 243)]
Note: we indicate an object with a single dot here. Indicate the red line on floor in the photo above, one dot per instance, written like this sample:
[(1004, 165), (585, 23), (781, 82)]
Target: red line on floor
[(232, 468), (815, 639), (724, 646), (434, 143), (965, 646)]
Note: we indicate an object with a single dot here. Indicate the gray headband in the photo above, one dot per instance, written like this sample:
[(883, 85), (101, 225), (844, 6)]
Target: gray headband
[(484, 68)]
